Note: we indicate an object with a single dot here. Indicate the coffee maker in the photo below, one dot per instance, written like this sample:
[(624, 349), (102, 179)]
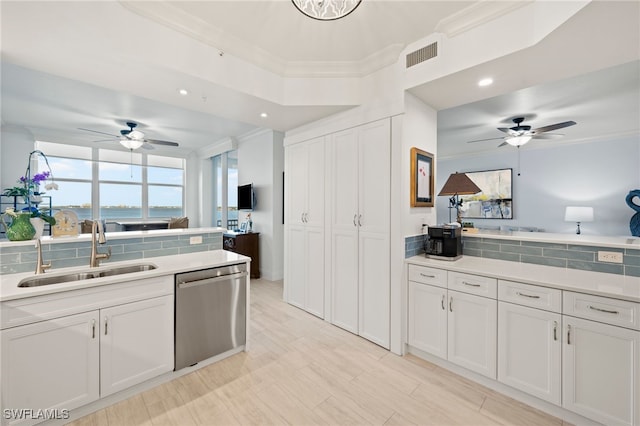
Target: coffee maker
[(445, 242)]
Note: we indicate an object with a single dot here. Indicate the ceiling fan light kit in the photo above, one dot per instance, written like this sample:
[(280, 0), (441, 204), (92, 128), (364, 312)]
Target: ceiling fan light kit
[(326, 10), (131, 143), (517, 140)]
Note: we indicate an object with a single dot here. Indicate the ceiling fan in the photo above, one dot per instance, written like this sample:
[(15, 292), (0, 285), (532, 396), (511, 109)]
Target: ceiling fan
[(520, 134), (131, 138)]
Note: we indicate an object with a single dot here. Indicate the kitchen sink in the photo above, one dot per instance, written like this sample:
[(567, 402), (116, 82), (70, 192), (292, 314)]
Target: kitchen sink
[(84, 275)]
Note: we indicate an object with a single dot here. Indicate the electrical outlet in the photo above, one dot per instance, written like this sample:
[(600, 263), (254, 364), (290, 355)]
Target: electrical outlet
[(609, 256), (195, 240)]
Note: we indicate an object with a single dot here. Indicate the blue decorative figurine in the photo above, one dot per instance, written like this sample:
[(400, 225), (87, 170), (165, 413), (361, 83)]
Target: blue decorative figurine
[(634, 224)]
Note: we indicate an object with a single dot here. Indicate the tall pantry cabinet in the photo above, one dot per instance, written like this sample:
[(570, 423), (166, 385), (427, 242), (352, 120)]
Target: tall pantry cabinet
[(345, 253), (304, 221), (360, 227)]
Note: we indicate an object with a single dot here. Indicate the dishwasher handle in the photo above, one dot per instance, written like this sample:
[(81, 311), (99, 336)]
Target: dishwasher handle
[(207, 281)]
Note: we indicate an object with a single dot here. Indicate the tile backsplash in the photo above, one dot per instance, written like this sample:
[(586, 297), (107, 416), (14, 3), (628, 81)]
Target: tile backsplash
[(572, 256), (22, 258)]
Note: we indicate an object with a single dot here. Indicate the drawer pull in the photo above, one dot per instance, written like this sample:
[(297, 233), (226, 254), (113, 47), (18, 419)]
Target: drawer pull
[(93, 329), (568, 334), (527, 295), (427, 276), (555, 330), (604, 310), (442, 303), (470, 284), (450, 304)]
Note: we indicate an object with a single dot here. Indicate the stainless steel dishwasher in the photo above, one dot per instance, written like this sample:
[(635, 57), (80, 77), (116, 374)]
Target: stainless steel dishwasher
[(210, 313)]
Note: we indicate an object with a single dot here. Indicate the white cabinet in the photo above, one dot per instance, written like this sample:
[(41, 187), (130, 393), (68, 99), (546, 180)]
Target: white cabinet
[(305, 177), (454, 325), (136, 343), (529, 350), (75, 359), (51, 364), (427, 329), (472, 332), (601, 362), (360, 230)]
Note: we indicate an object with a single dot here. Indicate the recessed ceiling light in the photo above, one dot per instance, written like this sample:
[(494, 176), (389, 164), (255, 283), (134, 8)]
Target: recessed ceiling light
[(264, 115), (183, 92), (485, 82)]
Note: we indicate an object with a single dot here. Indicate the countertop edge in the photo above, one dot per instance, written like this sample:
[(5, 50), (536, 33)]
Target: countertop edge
[(589, 282), (166, 265)]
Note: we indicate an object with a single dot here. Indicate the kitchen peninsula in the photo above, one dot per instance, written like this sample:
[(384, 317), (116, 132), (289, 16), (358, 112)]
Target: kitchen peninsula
[(107, 335)]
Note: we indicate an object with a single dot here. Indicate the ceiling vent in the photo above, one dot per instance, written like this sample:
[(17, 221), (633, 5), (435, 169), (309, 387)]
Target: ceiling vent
[(421, 55)]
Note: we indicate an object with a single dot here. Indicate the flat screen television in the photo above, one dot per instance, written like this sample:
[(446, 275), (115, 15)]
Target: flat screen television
[(246, 197)]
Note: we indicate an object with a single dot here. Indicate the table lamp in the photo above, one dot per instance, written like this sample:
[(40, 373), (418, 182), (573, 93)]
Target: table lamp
[(458, 184), (578, 214)]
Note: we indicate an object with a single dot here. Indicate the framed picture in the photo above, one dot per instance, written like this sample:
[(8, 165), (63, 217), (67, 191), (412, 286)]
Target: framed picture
[(421, 178), (495, 201)]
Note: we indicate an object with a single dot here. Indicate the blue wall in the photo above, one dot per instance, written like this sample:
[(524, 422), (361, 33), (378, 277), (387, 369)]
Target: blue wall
[(598, 174)]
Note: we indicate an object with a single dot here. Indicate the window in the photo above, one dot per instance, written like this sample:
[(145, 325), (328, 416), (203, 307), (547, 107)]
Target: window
[(225, 187), (127, 185)]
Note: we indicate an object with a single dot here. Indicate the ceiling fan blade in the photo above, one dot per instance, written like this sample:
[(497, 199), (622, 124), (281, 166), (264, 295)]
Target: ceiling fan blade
[(553, 127), (96, 131), (158, 142), (147, 146), (502, 144), (504, 129), (484, 140), (105, 140), (547, 136)]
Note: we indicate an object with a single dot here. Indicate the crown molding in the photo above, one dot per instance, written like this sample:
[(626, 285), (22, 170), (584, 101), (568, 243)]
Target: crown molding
[(476, 15)]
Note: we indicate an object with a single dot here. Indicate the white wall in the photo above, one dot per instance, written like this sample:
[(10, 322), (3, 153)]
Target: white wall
[(261, 162), (15, 145), (599, 174)]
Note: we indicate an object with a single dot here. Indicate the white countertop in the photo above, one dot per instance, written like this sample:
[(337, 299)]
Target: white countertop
[(597, 283), (116, 236), (166, 265), (548, 237)]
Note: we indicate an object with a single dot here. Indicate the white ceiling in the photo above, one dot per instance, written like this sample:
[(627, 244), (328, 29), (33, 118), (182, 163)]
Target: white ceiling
[(62, 68)]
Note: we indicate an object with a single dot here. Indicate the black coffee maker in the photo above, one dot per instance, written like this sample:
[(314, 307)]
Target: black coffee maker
[(445, 242)]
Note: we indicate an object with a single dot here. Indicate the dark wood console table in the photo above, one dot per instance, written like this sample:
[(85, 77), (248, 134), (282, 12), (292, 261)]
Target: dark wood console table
[(246, 244)]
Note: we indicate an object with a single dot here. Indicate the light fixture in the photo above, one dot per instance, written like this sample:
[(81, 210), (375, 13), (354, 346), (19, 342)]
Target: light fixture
[(458, 184), (183, 92), (326, 10), (264, 115), (517, 140), (485, 82), (131, 144), (578, 214), (136, 135)]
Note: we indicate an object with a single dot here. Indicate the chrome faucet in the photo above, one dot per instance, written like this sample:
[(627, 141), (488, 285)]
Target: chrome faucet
[(40, 267), (97, 228)]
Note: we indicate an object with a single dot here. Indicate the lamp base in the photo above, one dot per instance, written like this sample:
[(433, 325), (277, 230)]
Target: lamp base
[(578, 230)]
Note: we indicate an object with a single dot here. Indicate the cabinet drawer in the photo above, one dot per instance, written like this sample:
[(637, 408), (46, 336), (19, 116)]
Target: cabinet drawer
[(602, 309), (473, 284), (548, 299), (426, 275)]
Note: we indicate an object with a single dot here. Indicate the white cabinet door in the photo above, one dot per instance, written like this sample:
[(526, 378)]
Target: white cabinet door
[(427, 328), (51, 364), (601, 371), (374, 180), (344, 230), (529, 350), (297, 265), (472, 332), (305, 259), (136, 343)]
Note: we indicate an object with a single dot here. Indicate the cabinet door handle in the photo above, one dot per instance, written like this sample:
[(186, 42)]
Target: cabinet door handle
[(359, 220), (354, 220), (427, 276), (527, 295), (306, 218), (568, 334), (470, 284), (442, 303), (451, 304), (606, 311), (555, 330), (93, 329), (106, 325)]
